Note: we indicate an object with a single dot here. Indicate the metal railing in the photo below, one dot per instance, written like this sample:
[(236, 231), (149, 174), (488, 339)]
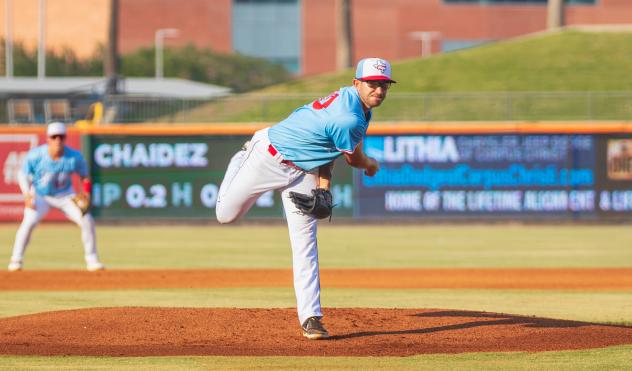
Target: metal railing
[(458, 106)]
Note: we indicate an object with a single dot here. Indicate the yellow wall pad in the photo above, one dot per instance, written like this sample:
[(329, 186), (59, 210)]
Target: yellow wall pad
[(518, 127)]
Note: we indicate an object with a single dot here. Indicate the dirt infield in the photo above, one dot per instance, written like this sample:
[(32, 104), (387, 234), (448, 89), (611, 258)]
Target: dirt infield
[(275, 332), (561, 279), (124, 331)]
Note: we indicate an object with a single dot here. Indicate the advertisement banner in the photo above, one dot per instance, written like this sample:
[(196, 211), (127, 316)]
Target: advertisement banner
[(478, 176), (13, 149), (614, 176), (444, 176), (176, 177)]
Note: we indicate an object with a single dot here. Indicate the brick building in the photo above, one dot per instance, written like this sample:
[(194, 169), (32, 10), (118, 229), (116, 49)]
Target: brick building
[(301, 34)]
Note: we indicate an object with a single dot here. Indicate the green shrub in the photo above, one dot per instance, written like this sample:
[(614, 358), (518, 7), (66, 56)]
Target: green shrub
[(238, 72)]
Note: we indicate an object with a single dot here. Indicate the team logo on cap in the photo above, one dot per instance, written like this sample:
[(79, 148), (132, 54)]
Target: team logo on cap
[(380, 66)]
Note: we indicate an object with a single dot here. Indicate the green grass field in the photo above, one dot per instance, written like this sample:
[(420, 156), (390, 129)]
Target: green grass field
[(57, 246)]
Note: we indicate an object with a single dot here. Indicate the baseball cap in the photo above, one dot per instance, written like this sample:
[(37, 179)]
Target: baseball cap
[(56, 128), (374, 69)]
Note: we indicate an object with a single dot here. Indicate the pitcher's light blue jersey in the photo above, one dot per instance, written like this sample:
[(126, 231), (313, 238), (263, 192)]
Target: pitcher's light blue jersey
[(319, 132), (49, 177)]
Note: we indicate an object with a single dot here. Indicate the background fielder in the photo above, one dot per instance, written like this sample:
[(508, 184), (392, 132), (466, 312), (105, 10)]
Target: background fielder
[(46, 181), (289, 157)]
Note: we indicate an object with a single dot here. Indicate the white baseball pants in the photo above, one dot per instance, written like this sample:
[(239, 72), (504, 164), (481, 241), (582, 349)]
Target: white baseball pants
[(251, 173), (72, 212)]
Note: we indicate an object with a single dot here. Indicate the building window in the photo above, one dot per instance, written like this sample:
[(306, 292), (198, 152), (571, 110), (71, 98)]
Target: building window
[(268, 29), (493, 2), (452, 45)]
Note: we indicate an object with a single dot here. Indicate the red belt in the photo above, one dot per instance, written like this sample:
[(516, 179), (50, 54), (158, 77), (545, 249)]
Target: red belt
[(273, 151)]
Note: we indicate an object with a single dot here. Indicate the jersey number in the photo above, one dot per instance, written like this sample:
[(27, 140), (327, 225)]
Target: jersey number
[(60, 181), (329, 100)]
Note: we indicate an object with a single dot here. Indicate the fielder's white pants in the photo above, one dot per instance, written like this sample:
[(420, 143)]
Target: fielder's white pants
[(72, 212), (255, 171)]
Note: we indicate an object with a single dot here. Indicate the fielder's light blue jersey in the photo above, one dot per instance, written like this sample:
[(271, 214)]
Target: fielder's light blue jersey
[(49, 177), (319, 132)]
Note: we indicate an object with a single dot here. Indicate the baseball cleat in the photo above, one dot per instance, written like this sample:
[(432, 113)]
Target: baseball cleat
[(15, 266), (313, 329), (94, 267)]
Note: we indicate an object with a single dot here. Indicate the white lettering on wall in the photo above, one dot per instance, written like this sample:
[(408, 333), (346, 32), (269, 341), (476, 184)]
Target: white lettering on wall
[(420, 149), (153, 155)]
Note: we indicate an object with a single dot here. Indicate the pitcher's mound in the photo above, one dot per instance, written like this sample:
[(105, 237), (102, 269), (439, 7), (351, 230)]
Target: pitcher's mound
[(275, 332)]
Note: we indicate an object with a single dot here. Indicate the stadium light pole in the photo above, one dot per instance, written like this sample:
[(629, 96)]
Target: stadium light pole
[(426, 38), (8, 42), (344, 37), (41, 46), (111, 62), (159, 45)]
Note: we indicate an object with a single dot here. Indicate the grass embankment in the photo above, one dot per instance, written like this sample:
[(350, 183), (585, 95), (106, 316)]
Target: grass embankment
[(569, 61)]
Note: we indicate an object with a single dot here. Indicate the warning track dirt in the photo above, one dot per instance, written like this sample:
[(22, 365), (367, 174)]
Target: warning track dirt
[(554, 279)]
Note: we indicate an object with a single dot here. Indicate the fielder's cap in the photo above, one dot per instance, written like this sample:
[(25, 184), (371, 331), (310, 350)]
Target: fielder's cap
[(56, 128), (373, 69)]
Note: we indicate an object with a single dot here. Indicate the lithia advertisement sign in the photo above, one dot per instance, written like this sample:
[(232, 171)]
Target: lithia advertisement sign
[(521, 176)]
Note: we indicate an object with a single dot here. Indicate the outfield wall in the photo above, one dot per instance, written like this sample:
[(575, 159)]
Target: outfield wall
[(447, 171)]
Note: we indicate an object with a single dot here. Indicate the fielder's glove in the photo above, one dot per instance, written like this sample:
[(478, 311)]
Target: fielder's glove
[(318, 205), (82, 201)]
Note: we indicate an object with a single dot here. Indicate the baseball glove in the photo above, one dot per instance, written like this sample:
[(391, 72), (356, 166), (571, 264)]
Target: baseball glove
[(319, 204), (82, 201)]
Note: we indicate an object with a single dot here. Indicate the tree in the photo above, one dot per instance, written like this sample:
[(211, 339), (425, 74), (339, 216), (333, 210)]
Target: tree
[(344, 35), (111, 55)]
